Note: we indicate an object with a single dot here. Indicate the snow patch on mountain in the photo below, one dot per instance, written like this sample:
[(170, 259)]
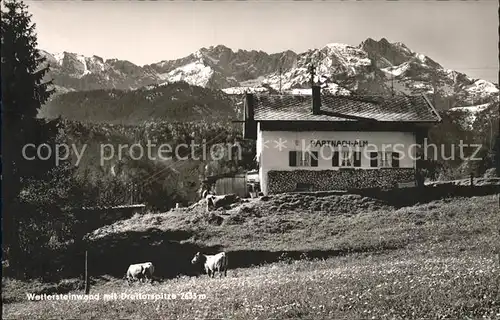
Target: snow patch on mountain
[(396, 71), (420, 85), (195, 73), (81, 59), (242, 90), (402, 47), (421, 57), (473, 109), (59, 57), (98, 62), (213, 60), (198, 54), (333, 88), (484, 86), (351, 57), (471, 112), (479, 91), (300, 92), (253, 82), (295, 78)]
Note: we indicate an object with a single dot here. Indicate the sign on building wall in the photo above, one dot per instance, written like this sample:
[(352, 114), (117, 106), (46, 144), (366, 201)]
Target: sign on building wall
[(335, 143)]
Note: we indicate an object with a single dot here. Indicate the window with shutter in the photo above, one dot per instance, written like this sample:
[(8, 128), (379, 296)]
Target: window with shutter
[(395, 159), (385, 159), (314, 158), (357, 159), (303, 159), (335, 159), (346, 159), (292, 158), (374, 159)]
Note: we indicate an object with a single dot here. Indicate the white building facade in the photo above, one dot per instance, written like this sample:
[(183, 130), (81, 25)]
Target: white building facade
[(322, 143)]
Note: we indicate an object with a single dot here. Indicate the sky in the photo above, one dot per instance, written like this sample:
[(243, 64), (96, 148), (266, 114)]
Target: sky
[(460, 35)]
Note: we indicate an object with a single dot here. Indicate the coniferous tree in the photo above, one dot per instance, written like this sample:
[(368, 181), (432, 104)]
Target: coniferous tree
[(23, 93)]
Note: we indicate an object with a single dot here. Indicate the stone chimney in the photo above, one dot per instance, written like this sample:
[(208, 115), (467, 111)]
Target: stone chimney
[(249, 126), (316, 92)]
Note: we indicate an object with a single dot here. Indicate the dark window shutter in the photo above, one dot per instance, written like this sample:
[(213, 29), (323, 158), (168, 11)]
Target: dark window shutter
[(314, 158), (395, 159), (292, 158), (373, 159), (335, 159), (357, 159)]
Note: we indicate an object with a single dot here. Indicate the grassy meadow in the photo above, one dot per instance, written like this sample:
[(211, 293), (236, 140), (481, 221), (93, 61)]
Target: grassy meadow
[(430, 261)]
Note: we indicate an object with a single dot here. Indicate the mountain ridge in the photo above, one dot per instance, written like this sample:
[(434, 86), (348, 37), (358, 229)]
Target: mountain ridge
[(378, 67)]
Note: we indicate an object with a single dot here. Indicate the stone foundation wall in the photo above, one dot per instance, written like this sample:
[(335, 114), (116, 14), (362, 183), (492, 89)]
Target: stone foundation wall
[(342, 179)]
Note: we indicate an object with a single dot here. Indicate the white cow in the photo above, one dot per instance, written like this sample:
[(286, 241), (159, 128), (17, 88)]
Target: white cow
[(140, 271), (212, 263)]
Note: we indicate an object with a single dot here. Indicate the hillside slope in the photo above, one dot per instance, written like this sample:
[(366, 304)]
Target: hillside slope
[(418, 262), (295, 222), (176, 102)]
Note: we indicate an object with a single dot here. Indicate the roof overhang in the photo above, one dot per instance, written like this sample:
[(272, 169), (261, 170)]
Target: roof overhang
[(302, 125), (433, 109)]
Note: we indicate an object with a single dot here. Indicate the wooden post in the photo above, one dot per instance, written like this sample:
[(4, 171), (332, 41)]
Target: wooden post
[(87, 284)]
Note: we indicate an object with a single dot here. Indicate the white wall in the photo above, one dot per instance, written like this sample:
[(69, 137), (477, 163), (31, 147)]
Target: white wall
[(258, 153), (271, 158)]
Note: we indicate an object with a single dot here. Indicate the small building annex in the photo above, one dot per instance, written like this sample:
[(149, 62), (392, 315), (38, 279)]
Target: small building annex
[(325, 142)]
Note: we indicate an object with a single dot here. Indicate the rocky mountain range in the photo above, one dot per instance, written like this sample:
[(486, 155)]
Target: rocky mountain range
[(375, 67)]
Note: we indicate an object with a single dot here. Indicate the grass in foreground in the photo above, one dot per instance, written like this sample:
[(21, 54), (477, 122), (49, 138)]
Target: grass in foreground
[(398, 285), (434, 261)]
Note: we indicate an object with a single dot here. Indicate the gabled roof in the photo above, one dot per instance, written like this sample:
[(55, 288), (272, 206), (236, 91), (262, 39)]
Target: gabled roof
[(345, 108)]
